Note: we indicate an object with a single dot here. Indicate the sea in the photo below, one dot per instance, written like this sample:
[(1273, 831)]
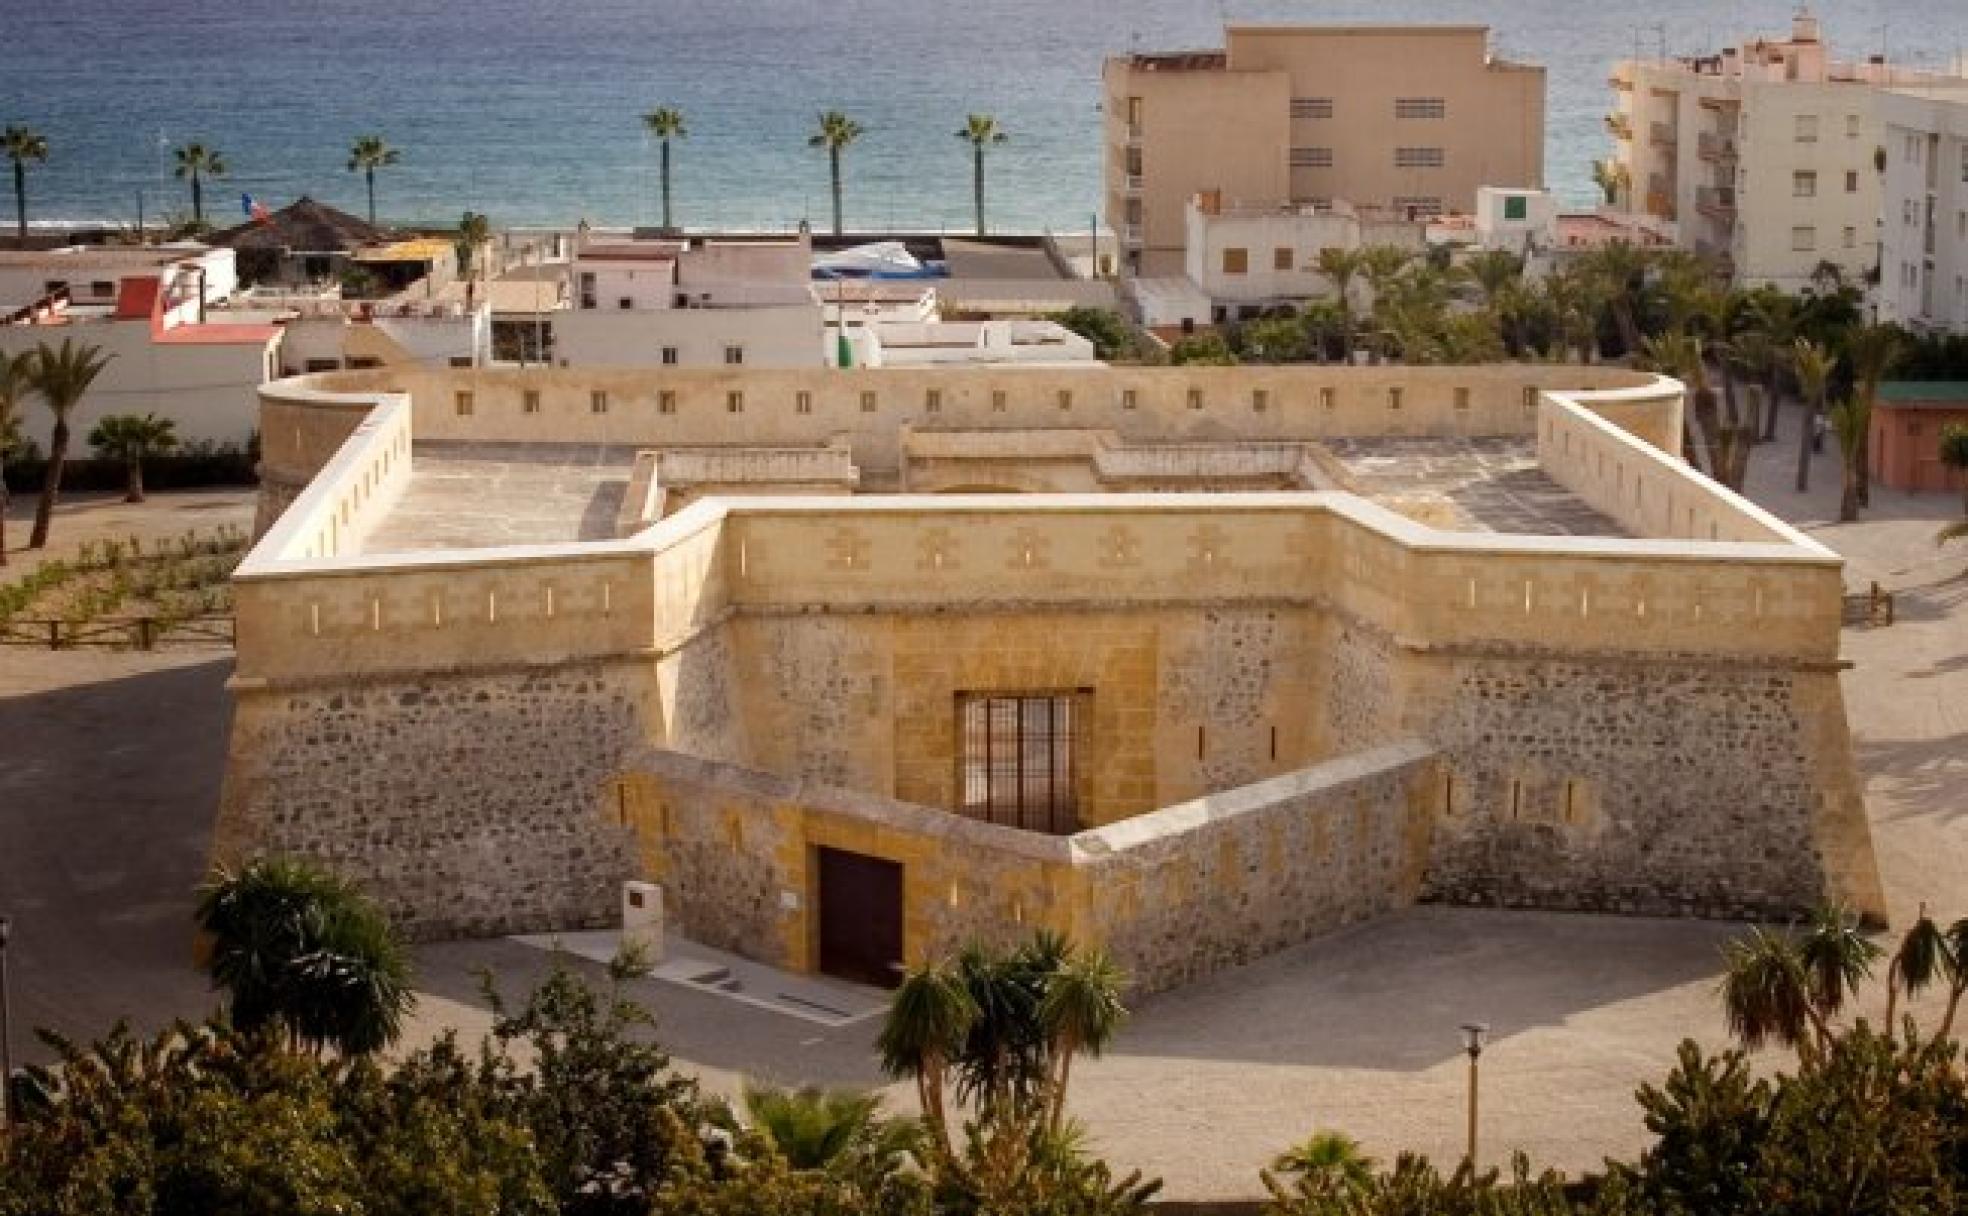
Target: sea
[(527, 110)]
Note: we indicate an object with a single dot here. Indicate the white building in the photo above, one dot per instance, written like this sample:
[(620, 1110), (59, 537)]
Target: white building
[(1763, 156), (1923, 230), (92, 275), (970, 344), (171, 354)]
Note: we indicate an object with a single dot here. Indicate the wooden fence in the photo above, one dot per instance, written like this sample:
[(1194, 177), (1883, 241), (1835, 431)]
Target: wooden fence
[(117, 632)]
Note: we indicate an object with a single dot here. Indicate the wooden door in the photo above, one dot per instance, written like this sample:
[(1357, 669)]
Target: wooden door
[(860, 917)]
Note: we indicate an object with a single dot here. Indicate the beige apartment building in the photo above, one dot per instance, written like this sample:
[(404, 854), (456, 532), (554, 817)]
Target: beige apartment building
[(1768, 157), (1412, 118)]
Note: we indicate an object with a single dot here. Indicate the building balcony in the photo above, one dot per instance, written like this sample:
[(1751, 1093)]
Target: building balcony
[(1716, 202), (1661, 206), (1620, 82), (1730, 104), (1131, 183), (1131, 136), (1131, 235), (1620, 125), (1717, 148), (1663, 135)]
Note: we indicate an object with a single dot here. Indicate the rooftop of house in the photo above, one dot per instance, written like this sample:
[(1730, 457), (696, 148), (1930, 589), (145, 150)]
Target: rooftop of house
[(1924, 394)]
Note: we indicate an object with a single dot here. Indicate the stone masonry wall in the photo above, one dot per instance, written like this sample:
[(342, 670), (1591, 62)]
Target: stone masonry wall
[(1652, 787), (467, 805)]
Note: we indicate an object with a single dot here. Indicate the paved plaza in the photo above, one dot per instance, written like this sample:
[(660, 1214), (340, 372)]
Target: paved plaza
[(111, 771)]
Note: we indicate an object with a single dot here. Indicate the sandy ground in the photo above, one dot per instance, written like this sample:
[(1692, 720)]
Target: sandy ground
[(109, 767), (93, 517)]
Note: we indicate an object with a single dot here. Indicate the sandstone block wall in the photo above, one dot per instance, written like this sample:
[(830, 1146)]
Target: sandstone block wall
[(468, 804)]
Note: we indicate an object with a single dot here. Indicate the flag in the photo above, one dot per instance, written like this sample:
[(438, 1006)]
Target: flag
[(255, 209)]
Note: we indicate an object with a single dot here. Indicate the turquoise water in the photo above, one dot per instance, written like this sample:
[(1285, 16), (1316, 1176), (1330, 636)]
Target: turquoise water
[(527, 109)]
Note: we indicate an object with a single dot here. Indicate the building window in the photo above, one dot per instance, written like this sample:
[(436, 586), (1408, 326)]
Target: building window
[(461, 361), (997, 401), (1312, 107), (587, 289), (1851, 237), (1851, 126), (1260, 400), (598, 402), (529, 401), (1419, 158), (323, 365), (358, 363), (1128, 399), (1807, 128), (666, 401), (734, 402), (1236, 261), (1311, 158), (1328, 398), (1913, 430), (1803, 239), (669, 356), (932, 400), (1065, 398), (102, 287), (802, 402), (1019, 759), (867, 401), (1516, 207), (463, 401), (1281, 258), (1964, 162), (1851, 182), (1420, 107), (1394, 398), (734, 355), (1195, 398), (1462, 400), (1804, 184), (1134, 115)]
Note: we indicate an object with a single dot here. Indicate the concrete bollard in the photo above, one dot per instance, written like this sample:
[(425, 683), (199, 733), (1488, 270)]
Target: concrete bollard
[(642, 920)]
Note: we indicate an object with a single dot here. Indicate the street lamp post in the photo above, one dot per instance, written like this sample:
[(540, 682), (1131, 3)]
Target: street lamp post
[(1474, 1036), (6, 1039)]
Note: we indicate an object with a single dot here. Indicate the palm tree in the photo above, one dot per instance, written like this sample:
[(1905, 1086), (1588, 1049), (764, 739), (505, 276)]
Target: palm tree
[(130, 439), (1330, 1168), (981, 130), (1494, 270), (1342, 266), (1873, 350), (1954, 455), (1081, 1011), (21, 146), (14, 384), (835, 133), (814, 1128), (1811, 364), (665, 123), (1766, 996), (61, 376), (366, 155), (303, 951), (929, 1018), (1850, 419), (195, 163), (1612, 179), (1622, 270), (474, 230)]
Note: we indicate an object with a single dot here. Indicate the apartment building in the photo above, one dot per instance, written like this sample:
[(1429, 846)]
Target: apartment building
[(1413, 119), (1766, 156), (1923, 227)]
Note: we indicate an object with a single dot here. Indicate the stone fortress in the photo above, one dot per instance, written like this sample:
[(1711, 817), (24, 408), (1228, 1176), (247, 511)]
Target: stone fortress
[(1194, 663)]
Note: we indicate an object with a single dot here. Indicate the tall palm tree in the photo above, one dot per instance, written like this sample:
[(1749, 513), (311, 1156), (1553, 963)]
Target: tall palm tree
[(929, 1017), (1850, 419), (14, 373), (303, 951), (1766, 996), (1494, 270), (982, 131), (61, 376), (1622, 271), (1874, 350), (474, 230), (835, 133), (1081, 1011), (366, 155), (22, 146), (1341, 267), (195, 163), (664, 124), (1811, 364), (131, 439)]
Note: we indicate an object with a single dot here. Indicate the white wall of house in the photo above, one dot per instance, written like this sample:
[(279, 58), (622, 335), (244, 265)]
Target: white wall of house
[(1254, 255), (784, 337), (1923, 231), (960, 343), (630, 285), (94, 274), (209, 389), (1519, 221)]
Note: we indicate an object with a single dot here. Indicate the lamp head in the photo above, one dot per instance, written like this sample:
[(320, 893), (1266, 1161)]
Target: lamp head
[(6, 930), (1475, 1036)]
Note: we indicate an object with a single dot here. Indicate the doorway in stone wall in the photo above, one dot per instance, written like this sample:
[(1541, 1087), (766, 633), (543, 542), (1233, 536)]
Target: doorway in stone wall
[(860, 917)]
